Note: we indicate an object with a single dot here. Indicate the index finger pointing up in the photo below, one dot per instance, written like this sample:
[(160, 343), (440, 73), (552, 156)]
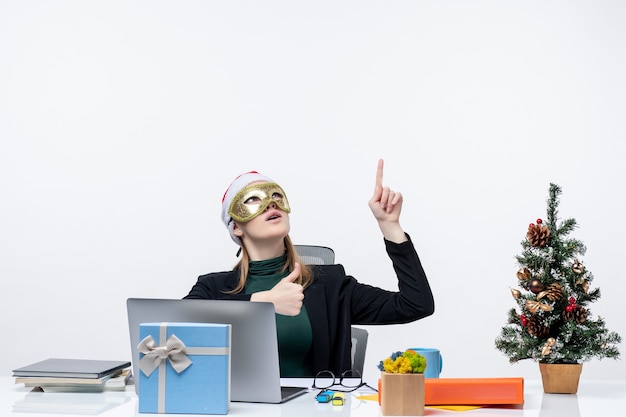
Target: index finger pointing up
[(379, 172)]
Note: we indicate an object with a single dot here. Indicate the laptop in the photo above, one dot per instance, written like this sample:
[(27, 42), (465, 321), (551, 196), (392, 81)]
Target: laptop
[(255, 370)]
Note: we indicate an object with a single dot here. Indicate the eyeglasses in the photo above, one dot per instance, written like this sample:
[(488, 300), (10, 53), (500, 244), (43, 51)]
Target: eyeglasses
[(350, 380)]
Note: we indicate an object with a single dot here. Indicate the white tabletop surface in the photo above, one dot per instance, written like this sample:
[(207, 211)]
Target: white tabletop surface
[(594, 399)]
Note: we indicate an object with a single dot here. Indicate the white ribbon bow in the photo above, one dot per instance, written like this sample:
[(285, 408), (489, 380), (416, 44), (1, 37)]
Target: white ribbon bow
[(174, 350)]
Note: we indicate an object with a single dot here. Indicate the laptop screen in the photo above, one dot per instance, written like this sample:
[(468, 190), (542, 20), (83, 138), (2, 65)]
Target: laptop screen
[(255, 371)]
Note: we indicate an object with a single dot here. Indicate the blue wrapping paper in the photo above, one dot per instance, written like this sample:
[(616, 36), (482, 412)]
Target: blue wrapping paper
[(201, 384)]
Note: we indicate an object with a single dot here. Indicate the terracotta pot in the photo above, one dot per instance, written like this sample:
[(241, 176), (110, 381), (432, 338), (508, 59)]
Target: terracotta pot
[(402, 394), (560, 378)]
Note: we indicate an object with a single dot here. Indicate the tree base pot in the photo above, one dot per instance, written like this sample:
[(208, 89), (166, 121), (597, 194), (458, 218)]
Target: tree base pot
[(560, 378)]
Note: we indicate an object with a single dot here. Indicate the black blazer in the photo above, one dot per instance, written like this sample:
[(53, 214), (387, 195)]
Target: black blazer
[(335, 301)]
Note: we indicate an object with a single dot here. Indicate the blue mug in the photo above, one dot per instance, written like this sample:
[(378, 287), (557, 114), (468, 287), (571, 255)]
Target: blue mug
[(434, 361)]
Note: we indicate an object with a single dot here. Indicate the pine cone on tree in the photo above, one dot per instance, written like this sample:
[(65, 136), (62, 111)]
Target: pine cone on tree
[(578, 314), (538, 235), (554, 292), (535, 327)]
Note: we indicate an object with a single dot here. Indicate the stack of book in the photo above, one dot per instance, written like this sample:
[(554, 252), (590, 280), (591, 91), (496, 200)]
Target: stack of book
[(74, 375)]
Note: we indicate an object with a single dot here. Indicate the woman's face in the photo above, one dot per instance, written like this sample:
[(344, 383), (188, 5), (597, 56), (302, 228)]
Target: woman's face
[(255, 198), (261, 211)]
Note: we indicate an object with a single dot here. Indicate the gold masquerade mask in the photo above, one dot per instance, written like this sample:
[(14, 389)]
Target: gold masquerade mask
[(253, 199)]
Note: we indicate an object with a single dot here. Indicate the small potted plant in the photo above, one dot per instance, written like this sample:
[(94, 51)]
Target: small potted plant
[(402, 384), (552, 323)]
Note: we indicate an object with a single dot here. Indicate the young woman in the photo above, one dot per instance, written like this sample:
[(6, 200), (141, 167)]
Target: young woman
[(315, 305)]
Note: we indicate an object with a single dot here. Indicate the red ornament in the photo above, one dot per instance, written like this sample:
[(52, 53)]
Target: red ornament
[(524, 320), (531, 225), (570, 308), (572, 300), (539, 221)]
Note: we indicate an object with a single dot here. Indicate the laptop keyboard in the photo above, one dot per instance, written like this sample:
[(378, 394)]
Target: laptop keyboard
[(286, 392)]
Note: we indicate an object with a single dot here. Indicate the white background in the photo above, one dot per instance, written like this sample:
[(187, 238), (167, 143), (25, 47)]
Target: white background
[(122, 122)]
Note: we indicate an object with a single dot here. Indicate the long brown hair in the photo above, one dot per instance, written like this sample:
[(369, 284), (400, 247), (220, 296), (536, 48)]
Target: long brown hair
[(306, 274)]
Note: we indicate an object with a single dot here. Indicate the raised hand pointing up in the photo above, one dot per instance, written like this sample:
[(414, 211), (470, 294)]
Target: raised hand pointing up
[(386, 206)]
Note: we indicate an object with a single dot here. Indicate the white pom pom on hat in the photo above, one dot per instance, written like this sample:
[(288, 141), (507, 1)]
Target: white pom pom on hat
[(237, 185)]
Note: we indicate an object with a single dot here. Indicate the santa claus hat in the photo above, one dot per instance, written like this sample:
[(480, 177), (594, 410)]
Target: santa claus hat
[(237, 185)]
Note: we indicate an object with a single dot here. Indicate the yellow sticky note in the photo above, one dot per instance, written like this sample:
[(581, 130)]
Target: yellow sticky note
[(368, 397), (455, 407)]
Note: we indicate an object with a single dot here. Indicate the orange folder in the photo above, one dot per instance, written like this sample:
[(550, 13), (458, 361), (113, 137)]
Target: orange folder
[(474, 391)]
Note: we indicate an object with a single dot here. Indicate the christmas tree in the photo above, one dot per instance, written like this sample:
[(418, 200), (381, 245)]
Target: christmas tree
[(552, 322)]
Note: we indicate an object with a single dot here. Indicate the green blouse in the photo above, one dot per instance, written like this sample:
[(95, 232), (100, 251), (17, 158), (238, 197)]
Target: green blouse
[(295, 336)]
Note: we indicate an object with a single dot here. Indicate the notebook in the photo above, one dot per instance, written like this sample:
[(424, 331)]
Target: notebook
[(71, 368), (255, 370)]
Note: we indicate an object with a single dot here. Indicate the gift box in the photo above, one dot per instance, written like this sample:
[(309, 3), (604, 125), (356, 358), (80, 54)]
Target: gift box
[(474, 391), (184, 368)]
